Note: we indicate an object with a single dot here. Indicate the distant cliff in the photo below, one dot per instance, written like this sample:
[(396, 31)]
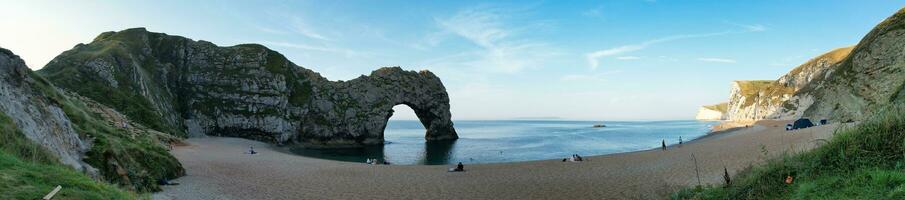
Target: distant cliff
[(186, 87), (712, 112), (843, 84)]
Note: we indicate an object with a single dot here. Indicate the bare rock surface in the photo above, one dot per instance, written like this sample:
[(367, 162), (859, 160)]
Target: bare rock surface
[(195, 88)]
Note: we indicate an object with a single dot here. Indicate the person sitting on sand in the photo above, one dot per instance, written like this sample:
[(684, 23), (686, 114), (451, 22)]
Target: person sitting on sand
[(251, 150), (458, 168), (577, 157)]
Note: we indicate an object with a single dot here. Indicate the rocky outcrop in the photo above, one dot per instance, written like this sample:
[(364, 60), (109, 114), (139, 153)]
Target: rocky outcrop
[(754, 100), (712, 112), (845, 84), (38, 117), (869, 79), (186, 87), (766, 99), (81, 133)]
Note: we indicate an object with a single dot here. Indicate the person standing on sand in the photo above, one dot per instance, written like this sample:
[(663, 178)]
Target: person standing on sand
[(680, 140), (664, 145)]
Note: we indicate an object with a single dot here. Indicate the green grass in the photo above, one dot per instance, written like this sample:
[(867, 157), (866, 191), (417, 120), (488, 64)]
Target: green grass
[(14, 143), (722, 107), (29, 171), (21, 179), (125, 98), (141, 156), (760, 89), (863, 162)]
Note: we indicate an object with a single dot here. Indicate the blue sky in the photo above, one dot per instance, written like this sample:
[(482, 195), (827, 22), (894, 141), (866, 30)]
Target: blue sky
[(590, 60)]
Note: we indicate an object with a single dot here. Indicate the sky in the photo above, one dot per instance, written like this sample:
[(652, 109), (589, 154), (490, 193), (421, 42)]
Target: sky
[(581, 60)]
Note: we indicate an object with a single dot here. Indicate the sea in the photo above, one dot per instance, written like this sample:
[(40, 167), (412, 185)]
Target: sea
[(501, 141)]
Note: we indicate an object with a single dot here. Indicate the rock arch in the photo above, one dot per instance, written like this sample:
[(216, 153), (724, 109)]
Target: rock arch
[(366, 105)]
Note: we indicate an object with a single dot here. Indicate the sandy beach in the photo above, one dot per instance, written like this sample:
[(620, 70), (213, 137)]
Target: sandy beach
[(218, 169)]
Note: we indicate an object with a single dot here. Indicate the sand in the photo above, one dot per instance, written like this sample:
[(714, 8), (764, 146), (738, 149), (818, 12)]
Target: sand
[(218, 169)]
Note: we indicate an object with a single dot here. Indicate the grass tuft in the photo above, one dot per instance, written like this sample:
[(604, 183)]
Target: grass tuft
[(862, 162)]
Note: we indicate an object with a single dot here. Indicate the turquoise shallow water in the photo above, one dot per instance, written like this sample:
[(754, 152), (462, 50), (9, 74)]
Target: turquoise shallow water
[(496, 141)]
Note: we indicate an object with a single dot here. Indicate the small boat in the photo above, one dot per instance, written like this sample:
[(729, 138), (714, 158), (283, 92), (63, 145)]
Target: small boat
[(599, 125)]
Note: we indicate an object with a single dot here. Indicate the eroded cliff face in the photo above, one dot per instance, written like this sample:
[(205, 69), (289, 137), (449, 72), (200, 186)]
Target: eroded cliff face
[(712, 112), (844, 84), (781, 99), (90, 137), (181, 86), (850, 83), (866, 81), (38, 117)]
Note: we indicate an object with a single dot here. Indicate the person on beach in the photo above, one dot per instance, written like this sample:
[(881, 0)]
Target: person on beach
[(664, 144), (458, 168), (251, 150), (680, 140)]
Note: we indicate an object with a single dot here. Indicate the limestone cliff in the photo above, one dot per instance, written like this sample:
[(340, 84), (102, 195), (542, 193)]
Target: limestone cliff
[(712, 112), (766, 99), (81, 133), (870, 78), (38, 117), (844, 84), (181, 86)]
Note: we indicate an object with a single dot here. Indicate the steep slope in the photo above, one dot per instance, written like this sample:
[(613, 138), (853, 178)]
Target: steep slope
[(185, 87), (37, 116), (766, 99), (77, 132), (712, 112), (869, 79)]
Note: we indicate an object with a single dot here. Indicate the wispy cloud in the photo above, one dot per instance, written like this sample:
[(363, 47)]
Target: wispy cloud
[(588, 77), (299, 26), (593, 58), (596, 12), (346, 52), (628, 58), (272, 30), (718, 60), (500, 45), (750, 27)]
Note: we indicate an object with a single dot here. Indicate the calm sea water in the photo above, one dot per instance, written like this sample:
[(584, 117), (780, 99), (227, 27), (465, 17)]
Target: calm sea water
[(517, 140)]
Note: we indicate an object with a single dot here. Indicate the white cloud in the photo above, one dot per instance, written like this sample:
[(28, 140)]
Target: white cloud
[(628, 58), (750, 27), (500, 47), (595, 12), (588, 77), (718, 60), (593, 58), (272, 31), (346, 52), (299, 26)]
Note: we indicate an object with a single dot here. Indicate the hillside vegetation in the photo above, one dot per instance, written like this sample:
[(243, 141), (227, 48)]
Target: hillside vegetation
[(722, 107), (28, 171), (862, 162)]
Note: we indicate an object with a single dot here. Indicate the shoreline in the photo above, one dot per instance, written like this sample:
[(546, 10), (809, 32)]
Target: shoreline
[(288, 148), (217, 170)]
